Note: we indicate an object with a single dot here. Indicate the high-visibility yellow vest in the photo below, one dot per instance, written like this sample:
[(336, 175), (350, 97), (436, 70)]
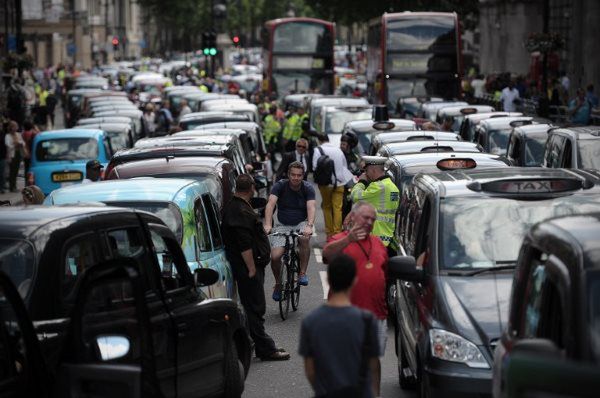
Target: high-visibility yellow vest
[(293, 128), (384, 195), (271, 129)]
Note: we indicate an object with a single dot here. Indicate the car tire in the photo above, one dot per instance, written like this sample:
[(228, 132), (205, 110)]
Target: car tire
[(406, 382), (234, 373)]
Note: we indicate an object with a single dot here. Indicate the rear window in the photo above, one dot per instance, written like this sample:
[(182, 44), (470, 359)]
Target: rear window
[(17, 261), (67, 149), (167, 212)]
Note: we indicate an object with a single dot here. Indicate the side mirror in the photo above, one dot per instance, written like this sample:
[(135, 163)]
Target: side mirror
[(112, 347), (537, 347), (258, 166), (205, 277), (258, 203), (405, 268)]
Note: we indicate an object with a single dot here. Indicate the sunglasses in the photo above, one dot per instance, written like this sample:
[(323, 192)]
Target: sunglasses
[(301, 146)]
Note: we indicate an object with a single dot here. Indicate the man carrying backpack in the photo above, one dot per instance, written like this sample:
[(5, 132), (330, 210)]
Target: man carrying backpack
[(331, 174)]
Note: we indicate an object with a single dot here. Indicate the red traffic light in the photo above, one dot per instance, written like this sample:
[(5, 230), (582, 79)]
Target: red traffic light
[(115, 41), (236, 39)]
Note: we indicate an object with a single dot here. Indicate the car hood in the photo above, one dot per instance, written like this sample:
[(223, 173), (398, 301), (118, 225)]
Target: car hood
[(478, 305)]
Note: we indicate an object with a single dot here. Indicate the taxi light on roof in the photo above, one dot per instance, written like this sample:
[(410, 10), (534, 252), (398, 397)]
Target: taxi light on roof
[(468, 111), (529, 186), (456, 164), (383, 125)]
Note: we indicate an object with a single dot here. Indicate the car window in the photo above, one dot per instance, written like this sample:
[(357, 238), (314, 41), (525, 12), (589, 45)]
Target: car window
[(17, 261), (567, 154), (80, 254), (202, 228), (169, 272), (66, 149), (533, 301), (125, 242), (213, 221)]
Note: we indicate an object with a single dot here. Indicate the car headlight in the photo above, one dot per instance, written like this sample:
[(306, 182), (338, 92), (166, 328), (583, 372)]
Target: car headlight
[(452, 347)]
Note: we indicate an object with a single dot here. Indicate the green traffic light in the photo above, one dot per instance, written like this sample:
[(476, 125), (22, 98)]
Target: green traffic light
[(206, 51), (212, 51)]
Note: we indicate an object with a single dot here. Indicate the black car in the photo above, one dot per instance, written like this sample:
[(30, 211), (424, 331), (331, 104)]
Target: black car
[(365, 131), (573, 147), (551, 343), (461, 232), (47, 253), (413, 146)]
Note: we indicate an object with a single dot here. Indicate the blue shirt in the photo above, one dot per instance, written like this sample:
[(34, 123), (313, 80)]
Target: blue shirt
[(291, 205), (582, 116)]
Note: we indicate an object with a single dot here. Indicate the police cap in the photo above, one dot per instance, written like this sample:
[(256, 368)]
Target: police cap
[(374, 160)]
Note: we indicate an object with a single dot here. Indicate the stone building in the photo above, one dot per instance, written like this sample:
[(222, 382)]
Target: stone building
[(504, 26)]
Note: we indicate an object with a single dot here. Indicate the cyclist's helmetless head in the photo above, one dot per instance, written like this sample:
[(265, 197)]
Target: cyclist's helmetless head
[(296, 174)]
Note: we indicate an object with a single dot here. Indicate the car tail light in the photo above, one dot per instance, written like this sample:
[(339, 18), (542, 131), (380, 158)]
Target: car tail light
[(30, 179)]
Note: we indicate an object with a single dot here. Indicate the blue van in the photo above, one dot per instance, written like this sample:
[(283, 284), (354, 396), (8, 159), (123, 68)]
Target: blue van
[(186, 206), (58, 157)]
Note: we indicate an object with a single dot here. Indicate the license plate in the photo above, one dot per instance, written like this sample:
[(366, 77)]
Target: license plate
[(68, 176)]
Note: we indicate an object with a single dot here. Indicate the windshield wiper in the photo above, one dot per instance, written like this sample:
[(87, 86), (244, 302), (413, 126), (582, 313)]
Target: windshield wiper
[(512, 265)]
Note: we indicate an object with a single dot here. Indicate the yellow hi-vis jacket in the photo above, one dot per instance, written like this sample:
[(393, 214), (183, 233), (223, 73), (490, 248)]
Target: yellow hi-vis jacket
[(384, 195), (271, 129)]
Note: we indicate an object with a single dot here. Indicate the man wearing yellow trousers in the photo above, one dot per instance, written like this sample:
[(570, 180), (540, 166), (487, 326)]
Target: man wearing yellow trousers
[(330, 172)]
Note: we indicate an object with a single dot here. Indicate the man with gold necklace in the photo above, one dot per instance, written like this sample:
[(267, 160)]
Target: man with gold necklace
[(371, 262)]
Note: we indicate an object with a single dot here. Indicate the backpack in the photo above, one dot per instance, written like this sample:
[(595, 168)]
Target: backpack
[(325, 169)]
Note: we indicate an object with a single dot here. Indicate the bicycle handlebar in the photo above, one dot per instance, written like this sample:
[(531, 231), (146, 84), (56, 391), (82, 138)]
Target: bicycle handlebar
[(295, 234)]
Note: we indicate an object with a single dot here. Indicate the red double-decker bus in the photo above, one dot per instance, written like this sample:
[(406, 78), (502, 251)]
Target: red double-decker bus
[(413, 54), (298, 56)]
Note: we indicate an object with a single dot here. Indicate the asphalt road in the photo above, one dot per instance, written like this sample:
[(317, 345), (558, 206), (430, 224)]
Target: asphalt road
[(286, 378)]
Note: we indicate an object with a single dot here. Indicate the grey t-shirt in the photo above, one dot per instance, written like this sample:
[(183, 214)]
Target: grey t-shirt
[(333, 337)]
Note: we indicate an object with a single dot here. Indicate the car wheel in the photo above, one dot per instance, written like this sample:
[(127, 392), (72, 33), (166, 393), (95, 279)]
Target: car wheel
[(234, 374), (407, 382)]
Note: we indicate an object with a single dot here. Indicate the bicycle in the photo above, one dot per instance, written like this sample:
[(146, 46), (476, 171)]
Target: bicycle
[(289, 273)]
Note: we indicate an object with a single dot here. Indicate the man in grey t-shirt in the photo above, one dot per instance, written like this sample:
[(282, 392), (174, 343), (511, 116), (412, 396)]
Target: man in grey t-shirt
[(338, 341)]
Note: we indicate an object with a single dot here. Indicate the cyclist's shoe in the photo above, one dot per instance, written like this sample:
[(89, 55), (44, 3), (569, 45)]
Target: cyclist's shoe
[(303, 280), (279, 355), (277, 294)]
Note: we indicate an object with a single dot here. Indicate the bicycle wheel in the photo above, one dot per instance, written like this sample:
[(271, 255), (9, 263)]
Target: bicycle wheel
[(295, 274), (284, 303)]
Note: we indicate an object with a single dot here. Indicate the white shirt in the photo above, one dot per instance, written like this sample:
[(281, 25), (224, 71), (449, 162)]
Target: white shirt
[(342, 173), (507, 98), (302, 158), (478, 86), (184, 111)]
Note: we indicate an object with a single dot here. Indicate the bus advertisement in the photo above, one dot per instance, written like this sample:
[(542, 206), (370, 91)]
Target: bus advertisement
[(298, 56), (413, 54)]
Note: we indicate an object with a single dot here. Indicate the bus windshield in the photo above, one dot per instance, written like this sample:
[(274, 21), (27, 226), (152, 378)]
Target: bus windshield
[(412, 34), (301, 37)]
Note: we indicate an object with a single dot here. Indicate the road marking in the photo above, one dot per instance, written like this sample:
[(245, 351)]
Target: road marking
[(318, 254), (324, 283)]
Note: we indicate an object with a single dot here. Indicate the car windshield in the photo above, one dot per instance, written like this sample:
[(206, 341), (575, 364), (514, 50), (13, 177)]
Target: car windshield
[(335, 121), (589, 154), (118, 140), (498, 141), (534, 151), (66, 149), (17, 261), (298, 82), (167, 212), (397, 89), (594, 313), (477, 232)]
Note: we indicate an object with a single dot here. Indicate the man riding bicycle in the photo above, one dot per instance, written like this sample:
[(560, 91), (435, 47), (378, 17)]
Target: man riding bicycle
[(295, 199)]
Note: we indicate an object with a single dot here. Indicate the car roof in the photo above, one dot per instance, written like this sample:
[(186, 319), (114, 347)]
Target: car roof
[(133, 189), (366, 126), (437, 135), (426, 162), (80, 91), (198, 132), (176, 140), (77, 132), (476, 117), (188, 165), (503, 122), (205, 115), (242, 106), (117, 112), (326, 101), (581, 228), (454, 183), (456, 110), (112, 126), (417, 146), (22, 221), (530, 130), (104, 119), (580, 133), (132, 154), (242, 125)]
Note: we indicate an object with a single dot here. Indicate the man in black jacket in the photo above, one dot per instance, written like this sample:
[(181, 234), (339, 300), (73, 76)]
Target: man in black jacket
[(248, 251), (299, 155)]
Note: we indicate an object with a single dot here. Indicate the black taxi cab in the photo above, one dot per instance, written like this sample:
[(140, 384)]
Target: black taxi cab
[(196, 346), (461, 233), (400, 148), (550, 346), (365, 130)]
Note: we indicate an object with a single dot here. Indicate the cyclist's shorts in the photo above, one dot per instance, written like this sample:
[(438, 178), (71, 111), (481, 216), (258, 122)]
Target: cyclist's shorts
[(279, 241)]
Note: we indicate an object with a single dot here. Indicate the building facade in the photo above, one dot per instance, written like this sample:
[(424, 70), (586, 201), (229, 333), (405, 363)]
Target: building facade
[(504, 26), (81, 31)]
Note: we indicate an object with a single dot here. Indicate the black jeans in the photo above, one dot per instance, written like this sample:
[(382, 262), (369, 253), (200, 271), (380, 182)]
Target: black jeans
[(252, 297), (13, 170)]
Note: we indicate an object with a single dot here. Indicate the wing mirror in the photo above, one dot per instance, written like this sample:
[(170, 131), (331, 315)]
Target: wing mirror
[(112, 347), (205, 277), (405, 268)]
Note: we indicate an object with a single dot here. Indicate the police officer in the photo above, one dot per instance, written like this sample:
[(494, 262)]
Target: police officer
[(378, 189), (271, 128), (292, 131)]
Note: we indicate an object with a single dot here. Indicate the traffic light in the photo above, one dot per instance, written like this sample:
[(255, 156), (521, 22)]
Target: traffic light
[(235, 40), (209, 43), (115, 43)]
